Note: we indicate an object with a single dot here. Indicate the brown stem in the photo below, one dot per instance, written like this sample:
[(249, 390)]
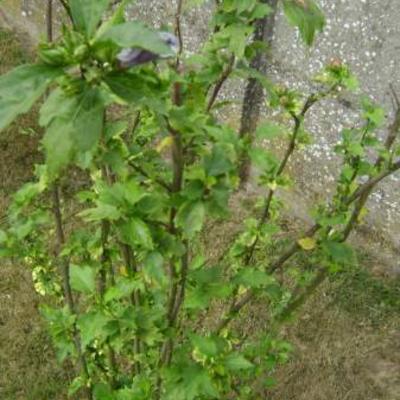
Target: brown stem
[(182, 284), (178, 166), (67, 290), (105, 265), (372, 182), (105, 256), (298, 119), (67, 9), (130, 262), (141, 171), (363, 194), (218, 86), (300, 300), (178, 32)]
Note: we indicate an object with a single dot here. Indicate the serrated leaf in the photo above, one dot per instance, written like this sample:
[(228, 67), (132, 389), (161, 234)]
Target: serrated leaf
[(136, 232), (154, 268), (264, 159), (307, 243), (190, 217), (253, 278), (123, 287), (83, 279), (115, 129), (21, 87), (205, 345), (92, 326), (220, 161), (102, 211), (237, 362), (238, 35)]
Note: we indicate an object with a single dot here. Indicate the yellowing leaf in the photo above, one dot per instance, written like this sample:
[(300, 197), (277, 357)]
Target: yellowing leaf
[(273, 185), (123, 271), (165, 143), (307, 243)]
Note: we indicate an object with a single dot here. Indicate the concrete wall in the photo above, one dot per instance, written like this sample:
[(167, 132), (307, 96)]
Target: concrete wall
[(363, 33)]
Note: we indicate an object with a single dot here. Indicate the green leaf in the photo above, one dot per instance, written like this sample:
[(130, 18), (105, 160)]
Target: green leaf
[(236, 362), (83, 279), (102, 211), (134, 232), (115, 129), (253, 278), (87, 14), (190, 217), (373, 112), (261, 11), (123, 287), (264, 159), (340, 253), (220, 161), (205, 345), (154, 268), (190, 382), (20, 88), (92, 326), (137, 89), (74, 125), (268, 130), (136, 34), (306, 16), (238, 35), (126, 194), (58, 145)]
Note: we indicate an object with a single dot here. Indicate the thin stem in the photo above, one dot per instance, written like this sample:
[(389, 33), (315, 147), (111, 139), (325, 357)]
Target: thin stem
[(67, 290), (182, 284), (218, 86), (105, 266), (131, 264), (178, 32), (177, 288), (159, 181), (67, 9), (363, 195), (105, 256), (372, 182), (300, 300), (298, 120)]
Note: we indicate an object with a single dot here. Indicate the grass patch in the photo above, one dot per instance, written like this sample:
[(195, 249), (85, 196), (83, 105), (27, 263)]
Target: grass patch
[(365, 296)]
